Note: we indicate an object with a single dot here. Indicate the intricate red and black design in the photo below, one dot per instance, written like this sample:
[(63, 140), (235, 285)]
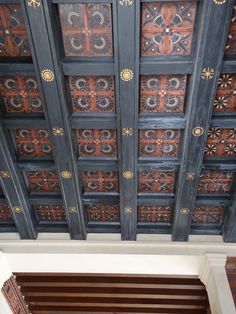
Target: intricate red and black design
[(5, 213), (167, 28), (154, 214), (103, 213), (92, 93), (33, 142), (14, 297), (159, 143), (100, 181), (50, 213), (86, 29), (225, 100), (207, 215), (97, 143), (156, 182), (162, 93), (43, 181), (212, 181), (13, 35), (230, 48), (20, 94), (221, 143)]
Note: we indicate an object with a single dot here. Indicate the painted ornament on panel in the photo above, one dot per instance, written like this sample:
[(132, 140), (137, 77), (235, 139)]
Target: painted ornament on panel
[(86, 29), (50, 213), (13, 35), (225, 100), (230, 48), (167, 28), (159, 143), (92, 93), (103, 213), (5, 213), (156, 182), (154, 214), (97, 143), (43, 181), (207, 215), (100, 181), (20, 94), (162, 93), (212, 181)]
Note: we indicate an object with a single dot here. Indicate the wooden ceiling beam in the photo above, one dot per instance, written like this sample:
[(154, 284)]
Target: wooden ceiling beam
[(203, 84), (44, 53), (15, 191), (126, 22)]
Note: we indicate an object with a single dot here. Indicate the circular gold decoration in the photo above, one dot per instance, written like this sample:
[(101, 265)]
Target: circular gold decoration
[(66, 174), (34, 3), (47, 75), (128, 174), (198, 131), (219, 2), (184, 211), (17, 209), (126, 75), (128, 210), (127, 131), (190, 176), (207, 73), (5, 174), (58, 131), (72, 210)]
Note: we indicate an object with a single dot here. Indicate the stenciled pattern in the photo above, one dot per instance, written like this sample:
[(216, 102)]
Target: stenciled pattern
[(156, 182), (100, 181), (225, 100), (43, 181), (230, 48), (103, 213), (221, 143), (97, 143), (33, 142), (154, 214), (212, 181), (162, 93), (50, 213), (159, 143), (207, 215), (13, 35), (14, 297), (5, 213), (20, 94), (86, 29), (92, 93), (167, 28)]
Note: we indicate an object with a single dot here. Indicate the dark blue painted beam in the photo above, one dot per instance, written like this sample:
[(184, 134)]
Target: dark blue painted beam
[(52, 86), (15, 190), (203, 83)]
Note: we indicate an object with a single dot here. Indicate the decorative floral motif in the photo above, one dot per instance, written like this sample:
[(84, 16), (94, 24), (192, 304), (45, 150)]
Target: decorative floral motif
[(159, 143), (167, 28), (156, 182), (13, 35), (126, 75), (97, 143), (127, 131), (230, 48), (207, 215), (212, 181), (126, 2), (20, 94), (225, 100), (162, 93), (34, 3), (207, 73), (47, 75), (86, 29), (43, 181), (100, 181), (154, 214), (33, 142), (50, 213), (92, 93), (5, 213), (103, 213), (221, 143)]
